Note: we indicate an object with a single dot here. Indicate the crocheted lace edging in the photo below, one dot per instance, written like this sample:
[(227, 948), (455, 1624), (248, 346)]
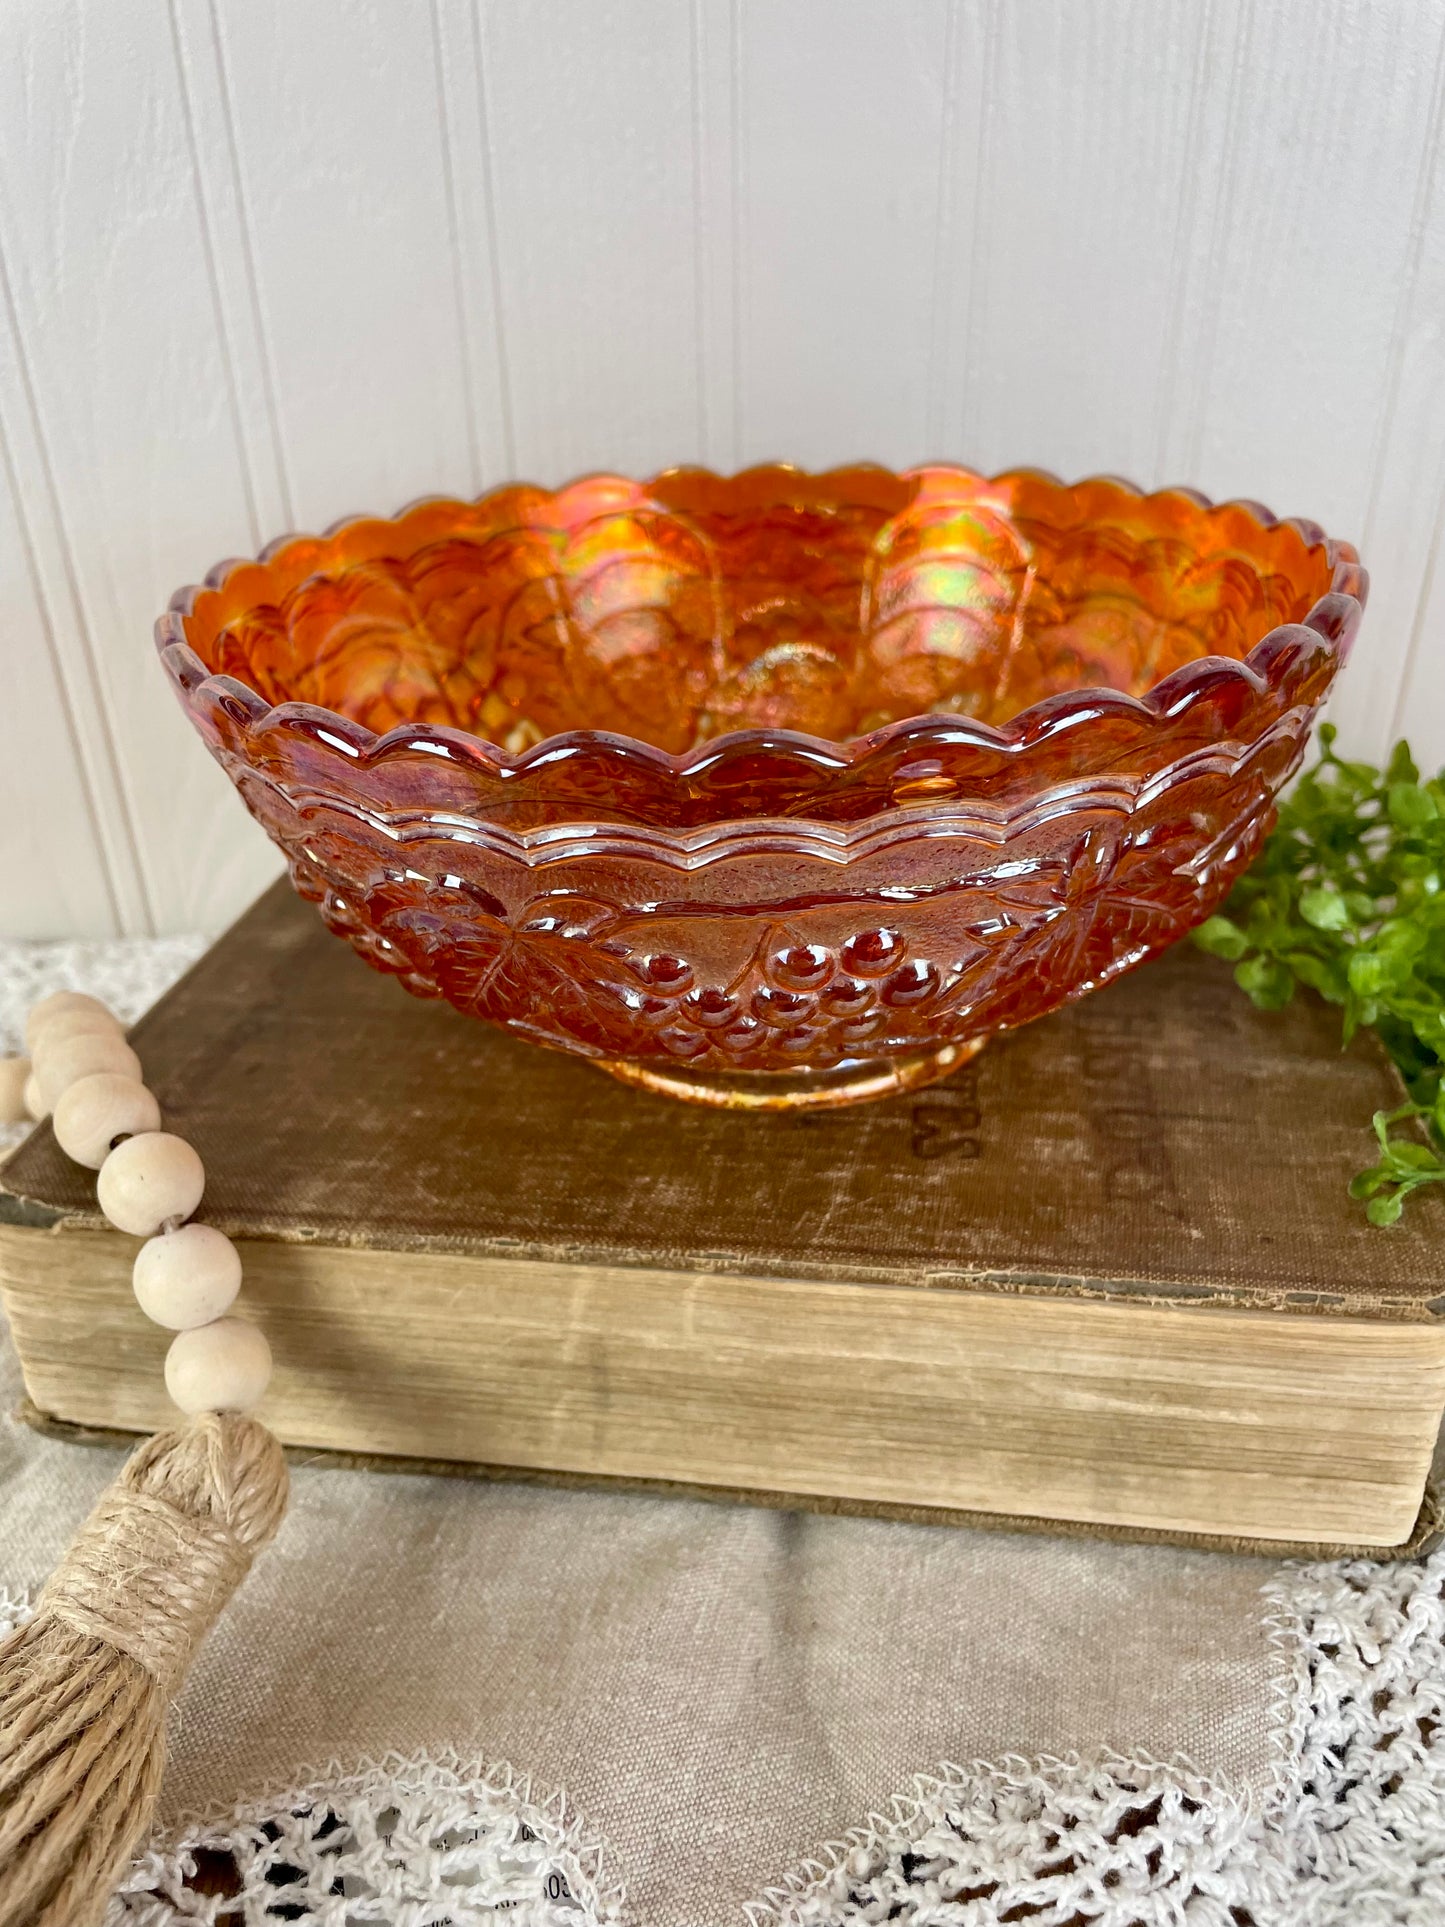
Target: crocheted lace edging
[(400, 1842), (1350, 1834)]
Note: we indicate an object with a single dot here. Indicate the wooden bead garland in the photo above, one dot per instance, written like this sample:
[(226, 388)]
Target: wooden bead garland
[(223, 1366), (62, 1004), (149, 1181), (186, 1276), (85, 1685), (80, 1021), (97, 1110), (77, 1054)]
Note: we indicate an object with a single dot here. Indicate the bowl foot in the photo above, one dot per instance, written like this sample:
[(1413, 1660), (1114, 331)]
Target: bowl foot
[(855, 1082)]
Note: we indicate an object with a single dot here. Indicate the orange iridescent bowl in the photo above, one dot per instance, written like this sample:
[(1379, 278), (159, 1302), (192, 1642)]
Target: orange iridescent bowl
[(775, 790)]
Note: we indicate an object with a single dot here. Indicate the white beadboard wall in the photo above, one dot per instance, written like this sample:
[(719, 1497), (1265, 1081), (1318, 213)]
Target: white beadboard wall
[(266, 261)]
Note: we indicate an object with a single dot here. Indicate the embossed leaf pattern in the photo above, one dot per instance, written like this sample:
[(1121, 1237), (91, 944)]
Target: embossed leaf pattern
[(1003, 937), (541, 754)]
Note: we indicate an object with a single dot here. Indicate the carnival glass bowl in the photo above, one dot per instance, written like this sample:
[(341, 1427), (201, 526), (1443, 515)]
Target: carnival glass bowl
[(773, 790)]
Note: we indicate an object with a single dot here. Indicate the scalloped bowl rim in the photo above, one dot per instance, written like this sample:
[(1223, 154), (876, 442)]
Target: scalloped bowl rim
[(1331, 619)]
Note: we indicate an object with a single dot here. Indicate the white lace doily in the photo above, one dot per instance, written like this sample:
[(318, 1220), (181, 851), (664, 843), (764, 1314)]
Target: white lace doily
[(1353, 1837), (402, 1843)]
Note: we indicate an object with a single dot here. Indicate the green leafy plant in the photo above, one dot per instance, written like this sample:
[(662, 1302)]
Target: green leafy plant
[(1348, 897)]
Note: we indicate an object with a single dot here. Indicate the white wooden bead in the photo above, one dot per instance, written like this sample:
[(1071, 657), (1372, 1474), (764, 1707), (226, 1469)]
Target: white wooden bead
[(66, 1006), (74, 1023), (34, 1102), (94, 1111), (14, 1076), (187, 1277), (222, 1367), (148, 1179), (64, 1063)]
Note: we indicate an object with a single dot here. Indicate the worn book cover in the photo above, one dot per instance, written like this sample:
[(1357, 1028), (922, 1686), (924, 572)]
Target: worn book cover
[(1108, 1276)]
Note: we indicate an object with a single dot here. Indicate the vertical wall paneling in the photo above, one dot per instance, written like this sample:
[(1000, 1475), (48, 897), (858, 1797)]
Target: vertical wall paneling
[(1212, 177), (1311, 243), (343, 165), (263, 264), (49, 660), (116, 401), (1419, 713), (1420, 705), (210, 126), (592, 122), (842, 114), (970, 58), (472, 220), (1090, 163), (1295, 336), (1397, 684), (55, 874), (716, 52)]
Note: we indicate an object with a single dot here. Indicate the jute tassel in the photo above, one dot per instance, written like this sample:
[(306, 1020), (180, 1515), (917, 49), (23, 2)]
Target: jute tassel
[(85, 1686)]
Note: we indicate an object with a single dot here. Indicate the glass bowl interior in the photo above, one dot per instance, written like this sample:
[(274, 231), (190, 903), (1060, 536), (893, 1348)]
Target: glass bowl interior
[(689, 607)]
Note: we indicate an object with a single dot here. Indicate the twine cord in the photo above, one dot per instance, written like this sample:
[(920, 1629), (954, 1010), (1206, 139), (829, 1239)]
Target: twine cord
[(85, 1685), (147, 1579)]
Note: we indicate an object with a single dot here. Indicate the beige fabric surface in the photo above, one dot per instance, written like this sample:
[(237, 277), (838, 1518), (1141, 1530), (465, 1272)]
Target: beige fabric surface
[(717, 1690)]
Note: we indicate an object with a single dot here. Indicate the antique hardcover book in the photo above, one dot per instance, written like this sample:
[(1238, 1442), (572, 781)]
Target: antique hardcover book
[(1106, 1278)]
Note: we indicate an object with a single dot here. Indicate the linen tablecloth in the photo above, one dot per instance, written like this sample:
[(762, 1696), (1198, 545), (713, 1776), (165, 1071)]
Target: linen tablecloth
[(442, 1701)]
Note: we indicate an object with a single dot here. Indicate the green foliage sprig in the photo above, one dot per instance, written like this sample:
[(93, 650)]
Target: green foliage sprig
[(1348, 897)]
